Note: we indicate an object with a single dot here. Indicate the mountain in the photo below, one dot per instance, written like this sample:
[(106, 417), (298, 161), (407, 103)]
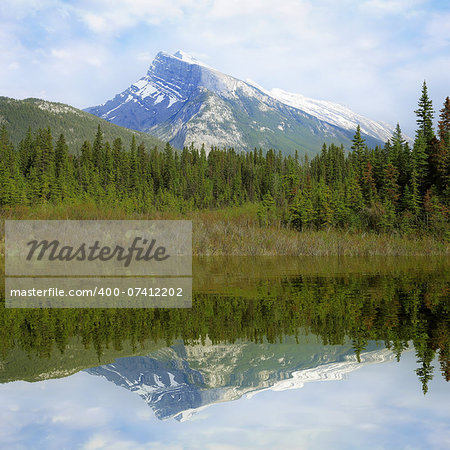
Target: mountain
[(178, 381), (75, 124), (182, 100)]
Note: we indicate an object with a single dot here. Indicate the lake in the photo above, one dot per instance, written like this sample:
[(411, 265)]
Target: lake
[(275, 353)]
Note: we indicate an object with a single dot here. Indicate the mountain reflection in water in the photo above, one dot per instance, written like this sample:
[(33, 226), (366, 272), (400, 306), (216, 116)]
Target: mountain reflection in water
[(178, 381), (253, 322)]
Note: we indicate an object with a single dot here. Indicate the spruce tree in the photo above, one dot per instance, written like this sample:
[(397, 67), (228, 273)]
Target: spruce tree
[(368, 186), (419, 160), (399, 154), (425, 114), (359, 151), (97, 148), (391, 186), (444, 124), (12, 184), (65, 170), (442, 157)]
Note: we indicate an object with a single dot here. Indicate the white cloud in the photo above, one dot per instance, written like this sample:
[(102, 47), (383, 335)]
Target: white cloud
[(145, 56), (438, 32), (113, 16), (60, 53), (95, 22), (392, 7), (226, 9), (19, 9), (84, 411), (353, 52)]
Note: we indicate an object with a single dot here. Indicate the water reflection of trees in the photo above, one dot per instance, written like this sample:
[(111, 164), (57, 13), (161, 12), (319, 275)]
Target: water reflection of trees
[(395, 310)]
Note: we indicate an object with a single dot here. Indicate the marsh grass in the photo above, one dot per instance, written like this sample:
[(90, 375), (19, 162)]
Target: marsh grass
[(235, 231)]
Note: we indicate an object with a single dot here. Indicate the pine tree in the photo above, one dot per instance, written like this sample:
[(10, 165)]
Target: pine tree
[(325, 205), (341, 213), (64, 187), (43, 167), (444, 124), (443, 155), (97, 148), (419, 160), (414, 198), (368, 186), (134, 175), (302, 213), (119, 167), (399, 155), (86, 169), (359, 151), (26, 152), (387, 221), (12, 184), (169, 171), (425, 114), (266, 211), (354, 197), (391, 187), (107, 176)]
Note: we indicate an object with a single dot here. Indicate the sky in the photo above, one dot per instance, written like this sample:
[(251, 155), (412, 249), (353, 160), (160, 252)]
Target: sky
[(369, 55), (380, 406)]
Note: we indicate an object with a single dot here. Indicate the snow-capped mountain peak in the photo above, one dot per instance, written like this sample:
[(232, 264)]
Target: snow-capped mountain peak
[(179, 381), (189, 58), (333, 113), (183, 100)]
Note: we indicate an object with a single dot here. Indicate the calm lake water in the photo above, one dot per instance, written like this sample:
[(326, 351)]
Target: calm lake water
[(275, 353)]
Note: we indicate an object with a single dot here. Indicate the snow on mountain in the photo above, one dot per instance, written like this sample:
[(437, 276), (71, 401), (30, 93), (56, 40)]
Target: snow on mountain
[(331, 372), (178, 381), (183, 100), (334, 113), (189, 59)]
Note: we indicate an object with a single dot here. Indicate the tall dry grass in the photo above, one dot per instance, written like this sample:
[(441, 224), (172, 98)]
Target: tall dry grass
[(236, 232)]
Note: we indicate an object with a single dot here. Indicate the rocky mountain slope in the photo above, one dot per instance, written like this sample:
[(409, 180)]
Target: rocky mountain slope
[(182, 100), (178, 381)]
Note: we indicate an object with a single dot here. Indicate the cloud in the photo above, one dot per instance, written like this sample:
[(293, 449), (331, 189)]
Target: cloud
[(438, 32), (19, 9), (352, 52), (379, 406), (96, 23), (227, 9), (113, 16), (405, 8)]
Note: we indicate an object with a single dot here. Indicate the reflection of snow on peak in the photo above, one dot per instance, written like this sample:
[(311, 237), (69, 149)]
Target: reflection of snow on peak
[(331, 372), (177, 382)]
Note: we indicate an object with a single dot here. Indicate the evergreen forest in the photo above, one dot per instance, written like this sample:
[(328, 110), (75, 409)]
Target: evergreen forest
[(400, 186)]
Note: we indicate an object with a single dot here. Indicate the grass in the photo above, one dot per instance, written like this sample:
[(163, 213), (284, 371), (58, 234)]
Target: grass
[(235, 231)]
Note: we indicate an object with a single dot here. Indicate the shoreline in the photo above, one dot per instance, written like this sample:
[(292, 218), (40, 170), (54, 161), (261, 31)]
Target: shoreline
[(236, 232)]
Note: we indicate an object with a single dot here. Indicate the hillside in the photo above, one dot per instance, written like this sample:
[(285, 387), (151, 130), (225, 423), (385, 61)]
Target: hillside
[(75, 124)]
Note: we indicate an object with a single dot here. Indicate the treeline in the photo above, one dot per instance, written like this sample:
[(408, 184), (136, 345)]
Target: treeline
[(394, 187)]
